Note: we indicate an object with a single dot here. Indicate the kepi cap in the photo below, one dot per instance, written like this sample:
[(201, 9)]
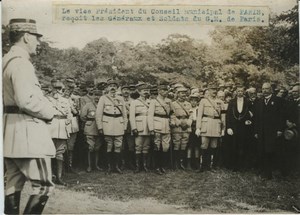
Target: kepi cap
[(24, 25)]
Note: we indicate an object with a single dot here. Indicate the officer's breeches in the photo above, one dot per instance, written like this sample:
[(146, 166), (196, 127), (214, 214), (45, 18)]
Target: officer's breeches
[(114, 141), (180, 140), (36, 170), (61, 146), (142, 144), (94, 142), (162, 140), (209, 141)]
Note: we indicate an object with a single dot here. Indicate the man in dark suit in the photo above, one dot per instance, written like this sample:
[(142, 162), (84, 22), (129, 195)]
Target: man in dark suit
[(269, 125), (238, 121)]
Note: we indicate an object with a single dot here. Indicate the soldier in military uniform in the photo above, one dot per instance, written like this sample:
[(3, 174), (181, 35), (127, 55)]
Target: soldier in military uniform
[(111, 119), (194, 141), (159, 127), (139, 126), (73, 127), (209, 125), (180, 126), (93, 139), (128, 142), (89, 96), (59, 127), (27, 144)]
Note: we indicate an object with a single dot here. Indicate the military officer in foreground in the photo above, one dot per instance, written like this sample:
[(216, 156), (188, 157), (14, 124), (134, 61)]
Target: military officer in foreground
[(93, 139), (129, 139), (180, 126), (27, 144), (73, 127), (59, 127), (210, 126), (159, 127), (111, 119), (139, 126)]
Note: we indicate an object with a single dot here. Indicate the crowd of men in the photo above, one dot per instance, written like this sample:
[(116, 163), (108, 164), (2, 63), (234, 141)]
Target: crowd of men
[(139, 127), (146, 127)]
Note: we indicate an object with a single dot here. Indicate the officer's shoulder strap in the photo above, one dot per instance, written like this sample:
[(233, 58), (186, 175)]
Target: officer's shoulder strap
[(10, 60)]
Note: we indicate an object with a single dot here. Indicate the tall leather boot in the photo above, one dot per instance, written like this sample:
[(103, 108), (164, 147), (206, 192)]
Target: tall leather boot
[(157, 162), (12, 203), (117, 161), (197, 163), (164, 161), (36, 204), (145, 159), (109, 162), (70, 162), (59, 169), (176, 159), (182, 156), (137, 163), (215, 158), (205, 161), (188, 165), (89, 168)]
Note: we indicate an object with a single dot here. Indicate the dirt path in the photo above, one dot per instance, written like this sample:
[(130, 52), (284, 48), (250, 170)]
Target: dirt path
[(64, 201)]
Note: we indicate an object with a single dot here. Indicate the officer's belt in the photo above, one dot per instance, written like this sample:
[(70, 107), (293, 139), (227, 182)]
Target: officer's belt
[(140, 114), (161, 115), (60, 117), (181, 117), (112, 115), (90, 119), (212, 117), (13, 110)]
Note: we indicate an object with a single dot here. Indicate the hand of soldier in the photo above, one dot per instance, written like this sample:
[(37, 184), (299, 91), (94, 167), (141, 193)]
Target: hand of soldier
[(100, 131), (197, 132), (256, 136), (289, 124), (230, 131), (135, 132), (248, 122), (68, 121), (279, 133), (152, 133)]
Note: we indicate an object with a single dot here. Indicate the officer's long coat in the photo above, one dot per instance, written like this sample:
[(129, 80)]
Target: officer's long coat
[(139, 116), (25, 135), (180, 116), (159, 124), (209, 119), (61, 128), (87, 115), (112, 126)]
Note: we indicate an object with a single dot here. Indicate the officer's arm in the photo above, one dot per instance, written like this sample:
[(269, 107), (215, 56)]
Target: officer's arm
[(124, 114), (83, 114), (99, 113), (190, 120), (151, 115), (173, 118), (27, 94), (132, 115), (200, 114)]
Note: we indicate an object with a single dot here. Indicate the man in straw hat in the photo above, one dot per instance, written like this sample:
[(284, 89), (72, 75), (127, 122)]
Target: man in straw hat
[(27, 142)]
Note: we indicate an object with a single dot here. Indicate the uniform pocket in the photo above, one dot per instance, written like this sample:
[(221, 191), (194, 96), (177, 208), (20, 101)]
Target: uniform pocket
[(139, 125), (204, 125), (157, 125)]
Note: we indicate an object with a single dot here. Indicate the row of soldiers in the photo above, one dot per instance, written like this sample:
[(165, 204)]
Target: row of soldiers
[(142, 125)]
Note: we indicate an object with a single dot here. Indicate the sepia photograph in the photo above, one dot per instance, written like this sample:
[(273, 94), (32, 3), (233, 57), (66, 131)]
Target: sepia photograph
[(150, 107)]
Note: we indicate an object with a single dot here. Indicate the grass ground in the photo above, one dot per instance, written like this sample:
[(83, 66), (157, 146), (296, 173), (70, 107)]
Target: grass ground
[(222, 191)]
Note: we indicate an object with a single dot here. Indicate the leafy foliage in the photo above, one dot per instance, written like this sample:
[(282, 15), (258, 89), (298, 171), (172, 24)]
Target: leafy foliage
[(247, 55)]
